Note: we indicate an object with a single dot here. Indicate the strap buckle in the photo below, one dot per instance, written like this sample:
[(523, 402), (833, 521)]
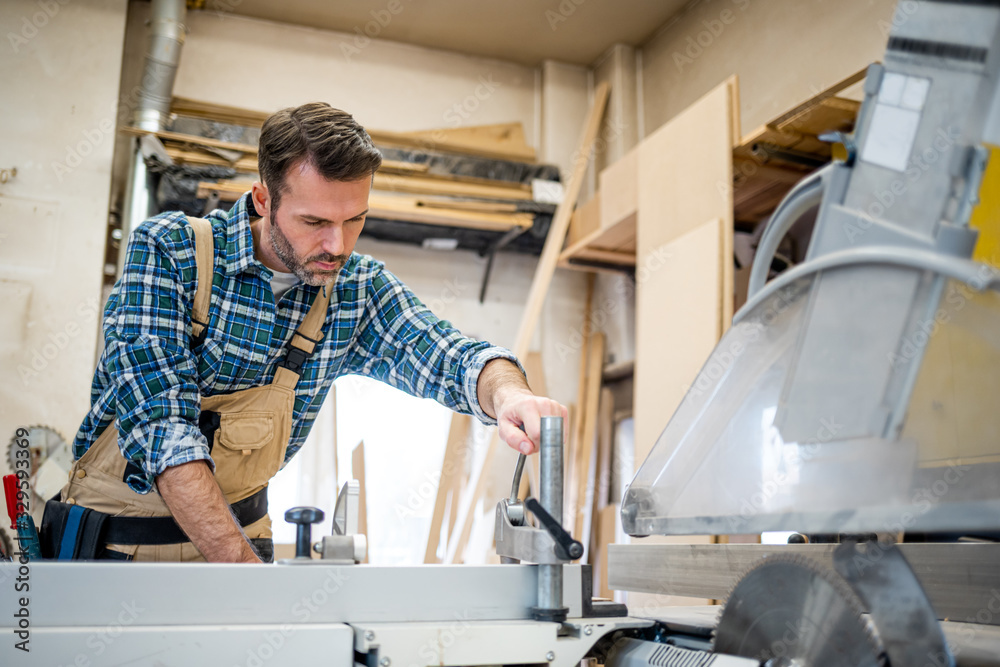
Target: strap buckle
[(294, 359)]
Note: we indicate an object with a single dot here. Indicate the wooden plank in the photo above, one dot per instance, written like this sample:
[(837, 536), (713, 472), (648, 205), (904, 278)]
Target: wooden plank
[(557, 231), (727, 258), (584, 472), (574, 437), (192, 139), (358, 472), (603, 513), (607, 525), (425, 185), (503, 142), (735, 110), (441, 182), (806, 107), (452, 467), (407, 209), (960, 579), (227, 190), (333, 431), (605, 446), (604, 256), (614, 244), (453, 205), (185, 106), (399, 167), (544, 272), (197, 157)]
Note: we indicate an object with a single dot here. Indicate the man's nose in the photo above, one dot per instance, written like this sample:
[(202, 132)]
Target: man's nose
[(333, 240)]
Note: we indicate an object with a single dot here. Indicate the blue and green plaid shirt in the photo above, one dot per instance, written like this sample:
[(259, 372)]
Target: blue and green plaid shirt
[(151, 380)]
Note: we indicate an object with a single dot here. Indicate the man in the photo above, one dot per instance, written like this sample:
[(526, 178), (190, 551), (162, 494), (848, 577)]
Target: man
[(209, 383)]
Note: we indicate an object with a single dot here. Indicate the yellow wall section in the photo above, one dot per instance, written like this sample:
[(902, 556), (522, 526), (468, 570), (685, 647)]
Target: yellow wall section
[(986, 216), (952, 414)]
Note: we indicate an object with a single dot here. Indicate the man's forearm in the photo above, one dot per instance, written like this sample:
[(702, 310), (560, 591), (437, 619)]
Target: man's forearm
[(200, 509), (504, 395), (498, 376)]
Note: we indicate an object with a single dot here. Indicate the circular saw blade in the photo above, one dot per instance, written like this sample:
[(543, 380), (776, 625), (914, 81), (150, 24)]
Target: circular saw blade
[(789, 610), (44, 442)]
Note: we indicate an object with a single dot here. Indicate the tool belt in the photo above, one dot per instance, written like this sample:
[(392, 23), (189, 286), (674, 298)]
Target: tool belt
[(73, 532)]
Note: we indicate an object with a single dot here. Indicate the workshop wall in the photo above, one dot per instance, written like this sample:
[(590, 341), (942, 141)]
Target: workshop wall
[(59, 77), (784, 52)]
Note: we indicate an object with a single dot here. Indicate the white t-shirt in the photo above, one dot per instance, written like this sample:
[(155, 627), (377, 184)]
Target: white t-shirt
[(281, 283)]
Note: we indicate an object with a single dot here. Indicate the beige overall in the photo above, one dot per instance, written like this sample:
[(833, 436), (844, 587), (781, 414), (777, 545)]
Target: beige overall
[(249, 448)]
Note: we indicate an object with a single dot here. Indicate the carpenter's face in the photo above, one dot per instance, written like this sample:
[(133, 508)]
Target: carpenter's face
[(317, 222)]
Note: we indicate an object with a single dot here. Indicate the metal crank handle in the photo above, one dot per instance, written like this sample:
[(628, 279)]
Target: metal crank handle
[(566, 547)]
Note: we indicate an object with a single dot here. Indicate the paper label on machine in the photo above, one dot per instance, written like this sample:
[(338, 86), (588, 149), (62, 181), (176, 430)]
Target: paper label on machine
[(895, 121)]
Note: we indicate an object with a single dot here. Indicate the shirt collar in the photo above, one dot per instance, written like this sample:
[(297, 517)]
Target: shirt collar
[(239, 248)]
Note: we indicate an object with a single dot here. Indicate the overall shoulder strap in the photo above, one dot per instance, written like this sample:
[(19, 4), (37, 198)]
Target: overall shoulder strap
[(305, 338), (204, 256)]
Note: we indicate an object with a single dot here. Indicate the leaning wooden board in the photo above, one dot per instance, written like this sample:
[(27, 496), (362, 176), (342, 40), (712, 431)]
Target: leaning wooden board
[(684, 269)]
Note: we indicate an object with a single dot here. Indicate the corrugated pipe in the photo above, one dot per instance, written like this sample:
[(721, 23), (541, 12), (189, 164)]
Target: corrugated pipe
[(163, 55)]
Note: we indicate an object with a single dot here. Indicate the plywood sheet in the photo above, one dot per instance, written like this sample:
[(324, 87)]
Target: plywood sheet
[(620, 189), (685, 172), (679, 309), (684, 268)]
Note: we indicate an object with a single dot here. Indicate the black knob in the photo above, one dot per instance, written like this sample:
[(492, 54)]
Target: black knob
[(303, 517)]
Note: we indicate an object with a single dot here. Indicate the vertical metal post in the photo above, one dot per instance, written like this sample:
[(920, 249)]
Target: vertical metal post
[(550, 495), (550, 594)]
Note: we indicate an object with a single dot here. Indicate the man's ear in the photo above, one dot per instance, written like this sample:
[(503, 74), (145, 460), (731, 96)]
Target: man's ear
[(261, 198)]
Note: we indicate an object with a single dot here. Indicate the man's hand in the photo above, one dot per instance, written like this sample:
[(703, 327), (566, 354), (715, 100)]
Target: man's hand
[(504, 395), (200, 509)]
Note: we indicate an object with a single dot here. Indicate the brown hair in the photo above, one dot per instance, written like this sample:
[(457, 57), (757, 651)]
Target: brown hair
[(330, 139)]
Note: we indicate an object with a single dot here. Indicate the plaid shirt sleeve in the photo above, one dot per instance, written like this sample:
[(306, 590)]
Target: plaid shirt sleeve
[(402, 343), (148, 353)]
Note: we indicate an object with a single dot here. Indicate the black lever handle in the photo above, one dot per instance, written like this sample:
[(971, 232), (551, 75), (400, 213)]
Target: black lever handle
[(566, 547), (304, 517)]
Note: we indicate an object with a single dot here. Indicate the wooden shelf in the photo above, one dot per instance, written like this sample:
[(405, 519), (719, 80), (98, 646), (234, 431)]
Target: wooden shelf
[(613, 246), (767, 163), (761, 177), (406, 209)]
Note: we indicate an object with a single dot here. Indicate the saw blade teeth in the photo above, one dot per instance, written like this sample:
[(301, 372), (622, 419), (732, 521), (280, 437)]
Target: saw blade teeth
[(775, 576), (49, 431)]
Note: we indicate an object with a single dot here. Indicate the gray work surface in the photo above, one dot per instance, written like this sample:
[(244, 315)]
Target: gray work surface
[(67, 594)]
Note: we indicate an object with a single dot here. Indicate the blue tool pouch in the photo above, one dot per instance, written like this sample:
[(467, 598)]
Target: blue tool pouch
[(71, 532)]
